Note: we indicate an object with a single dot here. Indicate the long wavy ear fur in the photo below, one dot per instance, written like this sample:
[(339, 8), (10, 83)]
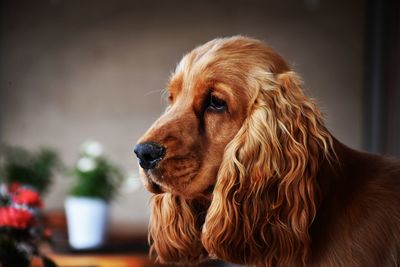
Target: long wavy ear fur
[(174, 230), (265, 197)]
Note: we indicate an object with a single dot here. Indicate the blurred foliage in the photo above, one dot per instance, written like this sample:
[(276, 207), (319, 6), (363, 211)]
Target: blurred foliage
[(103, 181), (10, 255), (34, 168)]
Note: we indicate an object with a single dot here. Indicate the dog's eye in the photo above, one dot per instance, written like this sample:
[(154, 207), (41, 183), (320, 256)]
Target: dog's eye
[(216, 104)]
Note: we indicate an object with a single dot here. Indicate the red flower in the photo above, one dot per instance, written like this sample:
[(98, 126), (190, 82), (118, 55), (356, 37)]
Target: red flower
[(27, 197), (14, 187), (17, 218)]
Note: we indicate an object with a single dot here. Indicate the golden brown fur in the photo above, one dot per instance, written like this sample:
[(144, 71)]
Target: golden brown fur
[(262, 182)]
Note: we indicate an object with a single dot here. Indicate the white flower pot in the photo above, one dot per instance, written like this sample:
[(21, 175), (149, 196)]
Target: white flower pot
[(87, 221)]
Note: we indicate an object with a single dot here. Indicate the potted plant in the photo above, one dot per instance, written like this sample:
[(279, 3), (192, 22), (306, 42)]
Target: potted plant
[(29, 168), (21, 228), (97, 181)]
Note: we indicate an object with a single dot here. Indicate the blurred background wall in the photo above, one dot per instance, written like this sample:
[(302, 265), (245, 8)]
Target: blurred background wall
[(73, 70)]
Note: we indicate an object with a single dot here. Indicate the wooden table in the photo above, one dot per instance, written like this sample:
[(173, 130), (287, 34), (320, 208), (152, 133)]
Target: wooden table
[(123, 248), (105, 260), (98, 260)]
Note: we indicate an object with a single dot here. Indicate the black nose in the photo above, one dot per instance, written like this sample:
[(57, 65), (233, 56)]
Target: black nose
[(149, 154)]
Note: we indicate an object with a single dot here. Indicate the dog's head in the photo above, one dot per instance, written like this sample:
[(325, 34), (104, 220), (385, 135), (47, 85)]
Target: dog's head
[(239, 132), (210, 95)]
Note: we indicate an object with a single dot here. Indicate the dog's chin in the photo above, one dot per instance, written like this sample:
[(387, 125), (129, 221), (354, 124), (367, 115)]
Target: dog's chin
[(185, 187), (154, 188), (150, 184)]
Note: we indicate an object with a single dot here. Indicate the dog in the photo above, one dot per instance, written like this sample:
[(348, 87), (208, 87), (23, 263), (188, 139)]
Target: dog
[(243, 169)]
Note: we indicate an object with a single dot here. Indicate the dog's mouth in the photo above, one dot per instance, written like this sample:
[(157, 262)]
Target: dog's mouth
[(154, 187), (153, 184), (159, 183)]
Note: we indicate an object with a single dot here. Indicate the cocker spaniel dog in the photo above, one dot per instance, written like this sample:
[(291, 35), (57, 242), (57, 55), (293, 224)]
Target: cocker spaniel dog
[(243, 169)]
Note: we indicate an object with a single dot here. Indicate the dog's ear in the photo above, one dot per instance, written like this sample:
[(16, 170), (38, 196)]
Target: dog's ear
[(174, 230), (264, 199)]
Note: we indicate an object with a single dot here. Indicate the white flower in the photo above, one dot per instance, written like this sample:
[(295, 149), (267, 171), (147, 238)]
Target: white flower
[(92, 149), (3, 190), (86, 164)]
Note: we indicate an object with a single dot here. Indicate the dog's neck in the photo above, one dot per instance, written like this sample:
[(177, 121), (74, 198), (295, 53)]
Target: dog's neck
[(334, 178), (338, 182)]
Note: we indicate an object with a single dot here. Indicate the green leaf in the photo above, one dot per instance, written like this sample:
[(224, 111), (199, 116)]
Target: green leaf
[(35, 168), (102, 182)]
